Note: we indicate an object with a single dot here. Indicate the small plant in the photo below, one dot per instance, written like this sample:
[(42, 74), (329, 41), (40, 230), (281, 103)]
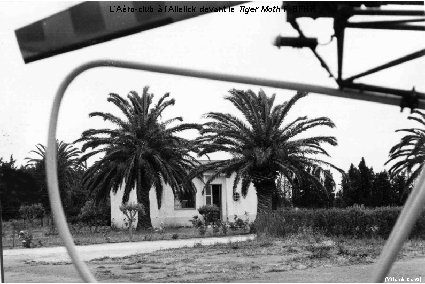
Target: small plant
[(239, 222), (216, 228), (130, 210), (319, 250), (175, 236), (160, 229), (26, 238), (202, 229), (196, 222), (224, 227), (252, 229), (341, 249)]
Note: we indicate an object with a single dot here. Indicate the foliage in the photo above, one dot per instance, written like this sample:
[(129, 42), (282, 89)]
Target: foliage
[(95, 214), (210, 213), (408, 156), (142, 149), (362, 186), (264, 146), (357, 222), (31, 212), (308, 195), (70, 170), (223, 226), (130, 210), (196, 222), (26, 238), (239, 223), (17, 187), (199, 224)]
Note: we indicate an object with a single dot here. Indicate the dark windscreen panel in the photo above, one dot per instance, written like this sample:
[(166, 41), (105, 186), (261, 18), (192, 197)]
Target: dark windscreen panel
[(91, 23)]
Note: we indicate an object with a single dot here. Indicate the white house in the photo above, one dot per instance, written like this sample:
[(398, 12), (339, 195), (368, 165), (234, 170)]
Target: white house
[(175, 212)]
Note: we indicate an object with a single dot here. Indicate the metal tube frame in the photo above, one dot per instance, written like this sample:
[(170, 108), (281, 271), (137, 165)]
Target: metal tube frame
[(408, 216), (392, 63)]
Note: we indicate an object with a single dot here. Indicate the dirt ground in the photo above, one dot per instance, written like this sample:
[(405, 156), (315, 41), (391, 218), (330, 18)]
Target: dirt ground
[(293, 259)]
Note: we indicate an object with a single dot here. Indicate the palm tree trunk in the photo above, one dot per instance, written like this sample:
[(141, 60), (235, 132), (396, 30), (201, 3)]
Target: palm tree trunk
[(265, 190), (143, 187), (144, 218)]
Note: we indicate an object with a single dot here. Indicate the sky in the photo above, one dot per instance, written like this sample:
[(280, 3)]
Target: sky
[(233, 43)]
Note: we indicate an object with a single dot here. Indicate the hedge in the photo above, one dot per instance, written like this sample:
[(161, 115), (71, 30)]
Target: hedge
[(354, 222)]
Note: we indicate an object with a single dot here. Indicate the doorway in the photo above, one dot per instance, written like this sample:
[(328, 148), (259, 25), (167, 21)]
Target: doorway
[(213, 196)]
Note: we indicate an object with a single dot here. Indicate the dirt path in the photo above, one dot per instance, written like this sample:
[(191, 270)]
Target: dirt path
[(89, 252)]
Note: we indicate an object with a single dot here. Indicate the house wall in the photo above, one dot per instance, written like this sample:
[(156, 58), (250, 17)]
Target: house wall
[(170, 216)]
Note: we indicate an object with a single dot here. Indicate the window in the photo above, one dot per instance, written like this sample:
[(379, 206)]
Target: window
[(208, 195), (186, 200)]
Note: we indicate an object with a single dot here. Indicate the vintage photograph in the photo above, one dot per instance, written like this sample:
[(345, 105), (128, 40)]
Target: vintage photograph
[(212, 141)]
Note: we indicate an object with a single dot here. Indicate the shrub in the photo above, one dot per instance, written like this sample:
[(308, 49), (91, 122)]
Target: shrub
[(202, 230), (26, 238), (354, 222), (211, 213), (130, 210), (31, 212), (175, 236), (93, 214), (196, 222), (224, 227)]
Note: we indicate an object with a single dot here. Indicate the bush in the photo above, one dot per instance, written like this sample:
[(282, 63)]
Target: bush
[(196, 222), (31, 212), (211, 213), (93, 214), (355, 222), (26, 238)]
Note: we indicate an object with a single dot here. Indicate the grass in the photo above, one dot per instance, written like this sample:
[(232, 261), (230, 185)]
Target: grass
[(44, 237)]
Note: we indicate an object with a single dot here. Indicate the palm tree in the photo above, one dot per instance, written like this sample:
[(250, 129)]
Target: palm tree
[(142, 151), (264, 147), (409, 154), (70, 168)]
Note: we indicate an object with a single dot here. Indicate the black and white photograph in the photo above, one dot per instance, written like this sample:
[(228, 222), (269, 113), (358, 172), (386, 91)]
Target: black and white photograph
[(212, 141)]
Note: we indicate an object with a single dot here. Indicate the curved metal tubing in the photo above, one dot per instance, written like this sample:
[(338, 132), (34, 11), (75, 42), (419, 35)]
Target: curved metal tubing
[(411, 211), (405, 222)]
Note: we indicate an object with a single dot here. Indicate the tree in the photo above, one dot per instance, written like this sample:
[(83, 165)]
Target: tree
[(264, 146), (130, 210), (17, 187), (357, 185), (381, 194), (400, 189), (70, 170), (348, 191), (408, 156), (310, 195), (142, 151), (365, 183)]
